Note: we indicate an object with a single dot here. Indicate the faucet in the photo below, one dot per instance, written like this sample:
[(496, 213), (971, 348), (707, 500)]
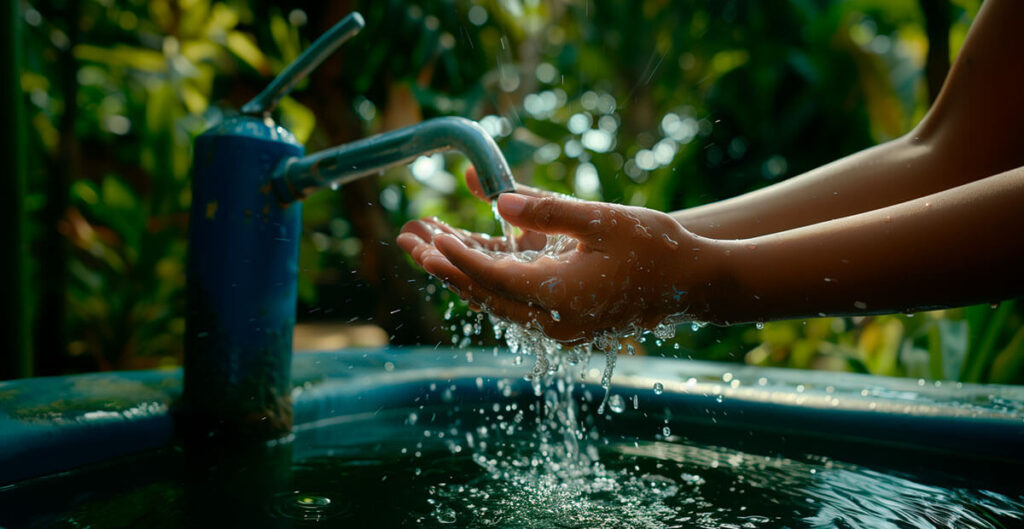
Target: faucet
[(249, 177)]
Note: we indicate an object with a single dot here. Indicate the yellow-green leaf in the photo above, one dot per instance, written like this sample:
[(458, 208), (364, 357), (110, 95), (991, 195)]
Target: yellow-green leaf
[(244, 47), (297, 118)]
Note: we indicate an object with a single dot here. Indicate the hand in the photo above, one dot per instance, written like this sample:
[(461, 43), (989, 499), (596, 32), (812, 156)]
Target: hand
[(628, 267), (417, 232)]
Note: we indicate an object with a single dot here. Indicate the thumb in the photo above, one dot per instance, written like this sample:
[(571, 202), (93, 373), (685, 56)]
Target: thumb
[(551, 214)]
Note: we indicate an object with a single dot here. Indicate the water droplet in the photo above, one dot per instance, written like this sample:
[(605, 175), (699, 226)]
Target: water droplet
[(444, 514), (304, 507), (666, 431), (659, 388), (616, 403), (556, 316), (759, 325)]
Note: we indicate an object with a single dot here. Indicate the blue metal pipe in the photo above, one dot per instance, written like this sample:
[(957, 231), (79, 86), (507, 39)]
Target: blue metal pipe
[(296, 178), (298, 70), (242, 283)]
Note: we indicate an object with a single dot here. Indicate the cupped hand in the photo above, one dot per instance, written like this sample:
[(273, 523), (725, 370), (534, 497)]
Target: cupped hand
[(628, 267), (417, 236)]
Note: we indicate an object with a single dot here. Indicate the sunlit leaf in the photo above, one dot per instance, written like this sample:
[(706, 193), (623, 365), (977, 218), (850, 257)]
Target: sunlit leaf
[(222, 19), (1008, 366), (33, 81), (296, 118), (286, 38), (724, 61), (244, 47), (195, 14), (142, 59), (195, 100), (116, 194), (198, 51), (85, 190), (879, 345)]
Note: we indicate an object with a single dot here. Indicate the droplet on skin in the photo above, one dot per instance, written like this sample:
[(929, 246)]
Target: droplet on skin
[(669, 241), (556, 316)]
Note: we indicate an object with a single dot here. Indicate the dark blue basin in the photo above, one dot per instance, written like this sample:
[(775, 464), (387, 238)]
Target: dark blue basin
[(52, 425)]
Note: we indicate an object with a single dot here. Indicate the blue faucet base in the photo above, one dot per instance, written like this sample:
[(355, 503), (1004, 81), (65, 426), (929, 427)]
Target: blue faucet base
[(242, 284)]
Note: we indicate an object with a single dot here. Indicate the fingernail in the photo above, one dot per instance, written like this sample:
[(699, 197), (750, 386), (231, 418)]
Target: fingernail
[(511, 203)]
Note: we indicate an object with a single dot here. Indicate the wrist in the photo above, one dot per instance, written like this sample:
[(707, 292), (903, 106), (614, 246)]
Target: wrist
[(708, 271)]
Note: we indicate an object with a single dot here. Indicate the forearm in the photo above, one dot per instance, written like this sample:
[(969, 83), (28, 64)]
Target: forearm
[(973, 131), (952, 248), (887, 174)]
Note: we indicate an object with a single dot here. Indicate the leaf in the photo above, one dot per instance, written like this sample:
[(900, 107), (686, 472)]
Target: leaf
[(286, 37), (222, 19), (195, 101), (141, 59), (244, 47), (1008, 367), (879, 345), (85, 191), (297, 118), (117, 195), (981, 358)]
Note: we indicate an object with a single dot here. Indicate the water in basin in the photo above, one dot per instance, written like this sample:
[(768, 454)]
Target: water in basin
[(463, 460)]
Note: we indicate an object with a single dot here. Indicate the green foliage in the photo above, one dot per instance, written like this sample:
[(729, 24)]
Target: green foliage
[(656, 103)]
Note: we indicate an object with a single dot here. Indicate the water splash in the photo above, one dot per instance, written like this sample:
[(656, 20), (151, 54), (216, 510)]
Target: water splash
[(559, 480)]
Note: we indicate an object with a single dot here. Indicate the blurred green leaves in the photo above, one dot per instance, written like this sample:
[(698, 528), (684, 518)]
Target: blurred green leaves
[(663, 104)]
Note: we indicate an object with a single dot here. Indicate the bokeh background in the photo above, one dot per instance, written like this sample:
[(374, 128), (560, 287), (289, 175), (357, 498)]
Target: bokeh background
[(660, 103)]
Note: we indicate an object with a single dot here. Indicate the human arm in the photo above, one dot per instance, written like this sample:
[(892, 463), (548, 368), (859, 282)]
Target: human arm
[(973, 130), (955, 247), (618, 270)]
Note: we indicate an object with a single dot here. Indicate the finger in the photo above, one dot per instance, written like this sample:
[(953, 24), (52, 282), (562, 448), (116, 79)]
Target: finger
[(576, 218), (408, 242), (508, 277), (416, 247), (525, 314), (473, 183), (471, 239), (421, 228)]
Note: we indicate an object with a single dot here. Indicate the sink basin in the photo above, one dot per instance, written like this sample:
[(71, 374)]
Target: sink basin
[(435, 437)]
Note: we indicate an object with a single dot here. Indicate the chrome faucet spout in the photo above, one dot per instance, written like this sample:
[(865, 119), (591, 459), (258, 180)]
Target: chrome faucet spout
[(296, 178)]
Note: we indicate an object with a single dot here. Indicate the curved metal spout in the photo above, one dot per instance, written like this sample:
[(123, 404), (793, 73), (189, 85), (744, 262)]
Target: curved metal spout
[(296, 178)]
